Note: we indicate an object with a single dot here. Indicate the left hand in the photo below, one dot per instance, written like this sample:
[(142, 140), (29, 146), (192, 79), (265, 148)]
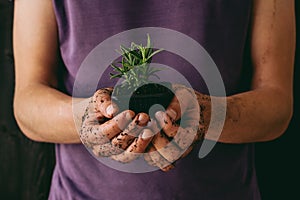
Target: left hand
[(176, 140)]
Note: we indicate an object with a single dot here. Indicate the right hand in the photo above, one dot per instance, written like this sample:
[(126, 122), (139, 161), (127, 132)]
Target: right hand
[(108, 133)]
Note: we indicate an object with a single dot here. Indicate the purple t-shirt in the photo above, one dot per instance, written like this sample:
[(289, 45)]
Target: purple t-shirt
[(221, 27)]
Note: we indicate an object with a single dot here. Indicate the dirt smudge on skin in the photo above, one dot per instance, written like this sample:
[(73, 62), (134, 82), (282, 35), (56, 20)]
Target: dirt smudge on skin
[(267, 51)]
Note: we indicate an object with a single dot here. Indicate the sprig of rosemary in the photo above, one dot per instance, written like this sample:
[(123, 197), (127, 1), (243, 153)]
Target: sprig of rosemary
[(135, 65)]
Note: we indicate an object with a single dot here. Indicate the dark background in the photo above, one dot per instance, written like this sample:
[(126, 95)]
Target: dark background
[(26, 167)]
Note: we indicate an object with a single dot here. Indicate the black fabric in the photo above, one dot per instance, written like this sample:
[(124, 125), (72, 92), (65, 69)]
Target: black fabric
[(277, 162), (25, 166)]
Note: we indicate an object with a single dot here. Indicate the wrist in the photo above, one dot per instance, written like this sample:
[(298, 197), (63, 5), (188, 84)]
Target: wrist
[(205, 112), (79, 106)]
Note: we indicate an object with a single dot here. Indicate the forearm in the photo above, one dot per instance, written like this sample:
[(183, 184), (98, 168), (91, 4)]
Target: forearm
[(254, 116), (263, 113), (45, 114)]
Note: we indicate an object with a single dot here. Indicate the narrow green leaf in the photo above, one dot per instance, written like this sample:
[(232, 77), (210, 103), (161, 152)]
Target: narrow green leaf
[(148, 41), (135, 55), (116, 67), (115, 75), (155, 52)]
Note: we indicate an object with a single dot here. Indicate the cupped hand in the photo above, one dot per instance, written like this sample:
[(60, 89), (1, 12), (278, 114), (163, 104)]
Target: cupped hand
[(111, 134), (179, 128)]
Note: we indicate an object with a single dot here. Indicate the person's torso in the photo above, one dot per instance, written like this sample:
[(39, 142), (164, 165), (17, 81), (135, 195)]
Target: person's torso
[(221, 27)]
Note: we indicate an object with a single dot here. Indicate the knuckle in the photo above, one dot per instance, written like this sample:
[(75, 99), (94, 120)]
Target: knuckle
[(141, 119)]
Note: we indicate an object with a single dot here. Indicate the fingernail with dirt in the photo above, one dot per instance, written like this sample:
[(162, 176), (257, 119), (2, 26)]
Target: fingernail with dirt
[(172, 114), (142, 119), (110, 110), (159, 115), (147, 134), (152, 124), (128, 116)]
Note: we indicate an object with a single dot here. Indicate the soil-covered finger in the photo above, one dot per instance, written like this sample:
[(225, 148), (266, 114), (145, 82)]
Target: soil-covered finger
[(147, 156), (141, 143), (168, 168), (174, 109), (91, 115), (153, 125), (166, 148), (182, 137), (103, 103), (106, 150), (126, 156), (168, 126), (125, 138), (148, 159), (160, 161), (117, 124), (103, 92), (91, 136), (93, 133), (136, 148)]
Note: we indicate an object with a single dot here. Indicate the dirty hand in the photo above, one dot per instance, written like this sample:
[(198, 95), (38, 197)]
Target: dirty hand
[(179, 128), (108, 134)]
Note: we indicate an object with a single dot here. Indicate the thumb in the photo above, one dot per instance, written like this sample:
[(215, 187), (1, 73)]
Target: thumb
[(183, 100), (104, 104)]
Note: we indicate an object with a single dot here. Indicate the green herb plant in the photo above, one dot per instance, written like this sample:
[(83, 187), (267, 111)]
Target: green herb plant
[(135, 66)]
